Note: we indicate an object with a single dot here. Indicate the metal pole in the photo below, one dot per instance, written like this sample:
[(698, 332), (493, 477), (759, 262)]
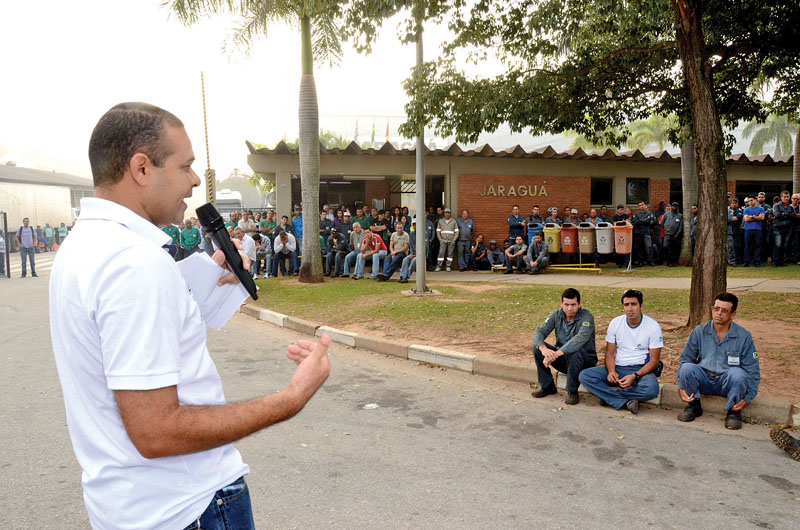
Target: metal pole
[(211, 175), (421, 231)]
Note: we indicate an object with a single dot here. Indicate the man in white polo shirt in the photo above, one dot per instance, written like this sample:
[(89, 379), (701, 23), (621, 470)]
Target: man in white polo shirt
[(144, 402), (633, 348)]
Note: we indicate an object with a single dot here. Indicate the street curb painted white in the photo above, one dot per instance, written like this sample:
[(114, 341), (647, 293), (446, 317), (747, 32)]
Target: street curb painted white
[(441, 357), (338, 335)]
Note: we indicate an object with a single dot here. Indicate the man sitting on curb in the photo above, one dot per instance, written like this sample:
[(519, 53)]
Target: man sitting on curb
[(515, 256), (633, 348), (574, 350), (786, 441), (538, 257), (719, 359)]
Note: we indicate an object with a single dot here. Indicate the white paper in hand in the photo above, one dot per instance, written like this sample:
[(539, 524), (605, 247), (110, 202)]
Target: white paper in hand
[(217, 303)]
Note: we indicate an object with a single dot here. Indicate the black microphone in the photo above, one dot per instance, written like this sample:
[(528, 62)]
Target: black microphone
[(214, 226)]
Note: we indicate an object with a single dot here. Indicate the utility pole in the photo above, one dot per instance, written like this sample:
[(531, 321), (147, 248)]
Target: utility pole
[(210, 174), (421, 258)]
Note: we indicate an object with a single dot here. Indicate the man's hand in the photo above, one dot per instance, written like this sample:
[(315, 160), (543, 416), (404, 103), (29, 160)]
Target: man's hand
[(613, 377), (313, 366), (551, 355), (627, 381), (739, 406), (687, 398), (219, 259)]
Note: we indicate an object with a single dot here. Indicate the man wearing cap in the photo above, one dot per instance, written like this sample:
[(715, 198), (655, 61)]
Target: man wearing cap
[(345, 227), (466, 229), (642, 222), (734, 233), (672, 221), (447, 233), (753, 216), (337, 246), (409, 263), (574, 350), (495, 256), (538, 256), (516, 223), (633, 347)]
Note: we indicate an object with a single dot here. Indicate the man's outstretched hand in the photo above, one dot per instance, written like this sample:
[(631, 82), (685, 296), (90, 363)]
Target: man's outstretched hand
[(313, 366)]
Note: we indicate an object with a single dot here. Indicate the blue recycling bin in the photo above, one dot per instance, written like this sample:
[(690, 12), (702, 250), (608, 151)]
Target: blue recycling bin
[(533, 228)]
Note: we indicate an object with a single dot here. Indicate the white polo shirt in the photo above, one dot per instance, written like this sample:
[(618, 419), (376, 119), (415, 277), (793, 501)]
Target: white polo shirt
[(634, 344), (121, 318)]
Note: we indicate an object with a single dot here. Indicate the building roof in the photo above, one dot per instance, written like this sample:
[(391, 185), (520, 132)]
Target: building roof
[(26, 175), (518, 152)]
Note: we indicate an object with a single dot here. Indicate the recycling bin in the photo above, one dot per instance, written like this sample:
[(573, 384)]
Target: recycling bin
[(586, 238), (569, 238), (552, 236), (604, 235), (623, 237)]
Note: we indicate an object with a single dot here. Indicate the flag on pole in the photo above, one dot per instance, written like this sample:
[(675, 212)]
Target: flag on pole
[(355, 137), (372, 137), (387, 130)]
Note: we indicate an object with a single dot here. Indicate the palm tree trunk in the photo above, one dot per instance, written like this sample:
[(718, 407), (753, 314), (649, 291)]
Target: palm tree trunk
[(710, 265), (796, 163), (689, 185), (311, 269)]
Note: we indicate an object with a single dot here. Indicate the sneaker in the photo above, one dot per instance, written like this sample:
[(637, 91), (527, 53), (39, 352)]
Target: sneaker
[(633, 406), (23, 275), (402, 280), (572, 398), (448, 269), (34, 275), (786, 442), (437, 269), (356, 277), (542, 392), (693, 410), (733, 420)]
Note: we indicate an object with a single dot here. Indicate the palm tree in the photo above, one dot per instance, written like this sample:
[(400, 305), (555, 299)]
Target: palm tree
[(580, 141), (319, 39), (653, 130), (776, 129)]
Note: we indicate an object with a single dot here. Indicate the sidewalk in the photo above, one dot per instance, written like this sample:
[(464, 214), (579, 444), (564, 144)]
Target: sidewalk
[(609, 278)]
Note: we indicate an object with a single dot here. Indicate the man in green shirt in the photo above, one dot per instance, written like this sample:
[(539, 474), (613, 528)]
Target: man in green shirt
[(361, 218), (50, 236), (62, 233), (190, 236), (175, 233), (267, 225)]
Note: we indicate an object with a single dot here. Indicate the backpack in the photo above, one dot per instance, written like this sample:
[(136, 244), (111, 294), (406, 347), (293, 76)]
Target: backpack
[(19, 232)]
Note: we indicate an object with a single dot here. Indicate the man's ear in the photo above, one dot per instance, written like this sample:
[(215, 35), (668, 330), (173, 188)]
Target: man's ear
[(139, 167)]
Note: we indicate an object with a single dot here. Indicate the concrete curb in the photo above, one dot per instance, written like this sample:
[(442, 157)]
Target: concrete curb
[(762, 409)]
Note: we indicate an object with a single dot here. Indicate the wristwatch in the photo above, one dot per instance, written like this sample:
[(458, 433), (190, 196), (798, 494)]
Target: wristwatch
[(637, 377)]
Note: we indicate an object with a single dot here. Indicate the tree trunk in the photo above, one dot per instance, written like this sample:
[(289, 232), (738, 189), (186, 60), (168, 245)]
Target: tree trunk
[(689, 185), (311, 269), (796, 162), (778, 152), (710, 265)]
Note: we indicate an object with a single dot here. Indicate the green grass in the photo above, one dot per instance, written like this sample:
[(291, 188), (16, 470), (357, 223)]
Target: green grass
[(790, 272)]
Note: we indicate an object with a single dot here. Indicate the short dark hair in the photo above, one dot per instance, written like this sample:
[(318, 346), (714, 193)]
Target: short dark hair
[(730, 298), (571, 294), (632, 293), (123, 131)]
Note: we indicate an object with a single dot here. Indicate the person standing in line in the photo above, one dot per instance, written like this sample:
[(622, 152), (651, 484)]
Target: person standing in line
[(447, 233), (2, 255), (190, 238), (672, 221), (49, 235), (466, 229), (783, 214), (62, 233), (516, 224), (734, 233), (27, 242), (753, 217)]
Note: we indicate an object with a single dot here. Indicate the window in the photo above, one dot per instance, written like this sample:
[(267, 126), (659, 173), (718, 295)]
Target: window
[(601, 192), (637, 190), (676, 192)]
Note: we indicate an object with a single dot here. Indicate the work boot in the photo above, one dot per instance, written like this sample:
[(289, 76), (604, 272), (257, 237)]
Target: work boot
[(733, 420), (572, 398), (437, 269), (633, 406), (542, 392), (785, 441), (693, 410)]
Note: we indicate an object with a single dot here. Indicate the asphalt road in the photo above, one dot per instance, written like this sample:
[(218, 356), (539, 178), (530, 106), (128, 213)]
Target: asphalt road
[(393, 444)]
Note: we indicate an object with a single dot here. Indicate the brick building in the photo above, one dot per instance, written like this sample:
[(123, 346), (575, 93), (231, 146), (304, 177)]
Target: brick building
[(488, 182)]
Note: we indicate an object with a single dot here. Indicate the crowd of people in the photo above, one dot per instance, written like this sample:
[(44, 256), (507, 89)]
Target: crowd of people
[(758, 231)]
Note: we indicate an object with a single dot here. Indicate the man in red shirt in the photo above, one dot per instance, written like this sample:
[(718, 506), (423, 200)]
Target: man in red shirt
[(372, 245)]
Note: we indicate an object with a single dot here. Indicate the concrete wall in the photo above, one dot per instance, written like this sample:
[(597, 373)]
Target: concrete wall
[(40, 203)]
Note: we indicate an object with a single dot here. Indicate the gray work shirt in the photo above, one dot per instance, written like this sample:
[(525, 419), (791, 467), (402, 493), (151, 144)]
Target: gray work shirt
[(715, 356), (673, 223), (466, 229), (570, 336)]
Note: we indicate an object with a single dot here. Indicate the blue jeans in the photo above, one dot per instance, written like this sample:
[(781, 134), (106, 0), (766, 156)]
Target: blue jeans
[(732, 384), (376, 263), (27, 252), (349, 261), (596, 381), (280, 259), (229, 510), (464, 255), (752, 247), (391, 265), (408, 266), (781, 246)]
